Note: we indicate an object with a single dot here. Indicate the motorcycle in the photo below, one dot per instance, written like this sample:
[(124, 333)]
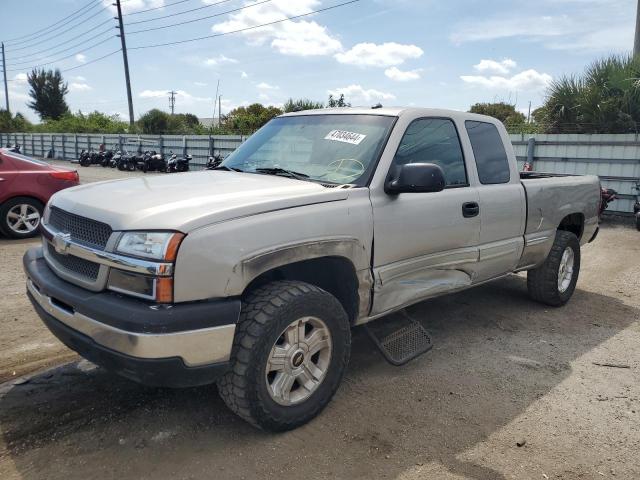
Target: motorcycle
[(127, 161), (178, 164), (105, 158), (153, 162), (214, 162), (607, 195), (113, 162)]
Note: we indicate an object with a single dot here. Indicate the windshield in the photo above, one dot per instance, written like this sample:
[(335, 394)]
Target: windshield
[(326, 148)]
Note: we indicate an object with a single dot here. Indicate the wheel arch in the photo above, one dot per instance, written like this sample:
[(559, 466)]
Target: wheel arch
[(328, 265), (573, 223)]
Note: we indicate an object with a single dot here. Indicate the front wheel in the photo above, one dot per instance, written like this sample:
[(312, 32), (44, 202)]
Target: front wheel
[(291, 348), (20, 217), (554, 282)]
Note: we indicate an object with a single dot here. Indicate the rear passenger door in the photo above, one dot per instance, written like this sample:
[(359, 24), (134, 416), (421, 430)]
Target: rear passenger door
[(502, 201)]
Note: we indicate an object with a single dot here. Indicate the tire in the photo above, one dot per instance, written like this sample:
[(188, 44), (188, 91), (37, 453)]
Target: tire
[(638, 222), (267, 315), (544, 282), (13, 227)]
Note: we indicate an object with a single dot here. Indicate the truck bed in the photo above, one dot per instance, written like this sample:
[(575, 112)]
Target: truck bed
[(552, 198)]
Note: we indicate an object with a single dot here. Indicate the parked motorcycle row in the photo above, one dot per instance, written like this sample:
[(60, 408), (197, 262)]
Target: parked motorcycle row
[(149, 161)]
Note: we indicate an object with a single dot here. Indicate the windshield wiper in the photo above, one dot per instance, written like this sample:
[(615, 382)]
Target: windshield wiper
[(224, 167), (283, 171)]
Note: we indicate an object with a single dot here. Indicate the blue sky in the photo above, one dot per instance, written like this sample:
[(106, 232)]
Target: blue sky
[(397, 52)]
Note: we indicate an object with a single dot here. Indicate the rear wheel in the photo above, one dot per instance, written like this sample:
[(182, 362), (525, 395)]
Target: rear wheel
[(291, 348), (20, 217), (554, 282)]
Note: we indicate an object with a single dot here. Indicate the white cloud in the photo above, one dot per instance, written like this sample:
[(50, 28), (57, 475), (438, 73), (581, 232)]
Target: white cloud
[(182, 98), (219, 60), (383, 55), (80, 57), (493, 66), (134, 5), (394, 73), (301, 38), (200, 84), (356, 93), (244, 75), (266, 86), (79, 78), (580, 26), (79, 87), (528, 80), (20, 78)]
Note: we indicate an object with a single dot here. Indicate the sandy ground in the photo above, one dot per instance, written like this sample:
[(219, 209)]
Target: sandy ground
[(504, 371)]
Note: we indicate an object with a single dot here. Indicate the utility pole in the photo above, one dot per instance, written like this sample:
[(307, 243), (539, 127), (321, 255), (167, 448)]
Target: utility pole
[(636, 45), (215, 101), (172, 100), (529, 114), (126, 61), (219, 110), (4, 72)]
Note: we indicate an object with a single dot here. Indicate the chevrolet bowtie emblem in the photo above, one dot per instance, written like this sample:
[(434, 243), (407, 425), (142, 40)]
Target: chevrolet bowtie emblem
[(61, 242)]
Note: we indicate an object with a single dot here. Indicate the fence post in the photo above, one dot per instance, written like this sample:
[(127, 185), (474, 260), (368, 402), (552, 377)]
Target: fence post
[(33, 146), (64, 153), (184, 145), (531, 147), (211, 152), (23, 141), (161, 144), (88, 142), (120, 143)]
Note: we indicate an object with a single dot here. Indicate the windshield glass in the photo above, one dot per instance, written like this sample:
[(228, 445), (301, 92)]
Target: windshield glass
[(327, 148)]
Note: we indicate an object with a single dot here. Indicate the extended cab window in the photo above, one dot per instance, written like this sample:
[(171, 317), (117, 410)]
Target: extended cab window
[(434, 140), (491, 157)]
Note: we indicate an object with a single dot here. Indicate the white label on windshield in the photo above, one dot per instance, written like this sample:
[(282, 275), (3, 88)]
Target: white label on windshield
[(346, 137)]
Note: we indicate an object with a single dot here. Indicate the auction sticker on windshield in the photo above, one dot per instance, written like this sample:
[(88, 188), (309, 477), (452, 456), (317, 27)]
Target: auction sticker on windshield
[(346, 137)]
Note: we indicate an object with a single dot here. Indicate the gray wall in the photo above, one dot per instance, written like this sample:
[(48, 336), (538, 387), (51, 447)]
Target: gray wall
[(615, 158)]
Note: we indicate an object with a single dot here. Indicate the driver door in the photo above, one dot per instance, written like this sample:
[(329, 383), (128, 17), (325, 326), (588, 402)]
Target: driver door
[(426, 243)]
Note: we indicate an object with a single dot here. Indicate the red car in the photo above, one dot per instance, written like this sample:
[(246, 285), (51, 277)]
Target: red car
[(26, 184)]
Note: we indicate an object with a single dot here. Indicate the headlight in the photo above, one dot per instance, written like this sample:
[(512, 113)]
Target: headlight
[(154, 245)]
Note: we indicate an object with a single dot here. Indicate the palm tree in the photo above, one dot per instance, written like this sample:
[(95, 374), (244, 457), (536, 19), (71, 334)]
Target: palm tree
[(604, 99)]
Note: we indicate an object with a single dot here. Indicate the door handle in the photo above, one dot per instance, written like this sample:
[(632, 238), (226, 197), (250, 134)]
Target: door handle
[(470, 209)]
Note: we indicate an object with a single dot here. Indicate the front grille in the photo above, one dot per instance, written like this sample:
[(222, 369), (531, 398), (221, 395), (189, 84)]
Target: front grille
[(75, 265), (82, 230)]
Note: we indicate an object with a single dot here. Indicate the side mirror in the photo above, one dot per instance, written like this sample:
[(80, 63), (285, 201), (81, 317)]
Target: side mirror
[(416, 178)]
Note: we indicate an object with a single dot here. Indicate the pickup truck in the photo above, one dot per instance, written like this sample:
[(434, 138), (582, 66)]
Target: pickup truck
[(251, 275)]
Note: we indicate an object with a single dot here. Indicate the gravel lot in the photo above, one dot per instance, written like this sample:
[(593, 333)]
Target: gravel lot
[(504, 371)]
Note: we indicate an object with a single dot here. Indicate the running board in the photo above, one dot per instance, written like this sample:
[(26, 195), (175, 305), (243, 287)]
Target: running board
[(399, 337)]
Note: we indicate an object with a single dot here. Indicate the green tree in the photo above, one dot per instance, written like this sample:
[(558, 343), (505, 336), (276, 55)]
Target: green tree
[(300, 104), (94, 122), (604, 99), (154, 121), (17, 123), (503, 111), (47, 91), (246, 120), (339, 103)]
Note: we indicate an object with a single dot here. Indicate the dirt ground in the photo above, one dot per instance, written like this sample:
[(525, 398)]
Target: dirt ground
[(504, 372)]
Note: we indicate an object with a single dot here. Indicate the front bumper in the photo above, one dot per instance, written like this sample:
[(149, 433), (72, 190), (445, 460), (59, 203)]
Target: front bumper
[(173, 345)]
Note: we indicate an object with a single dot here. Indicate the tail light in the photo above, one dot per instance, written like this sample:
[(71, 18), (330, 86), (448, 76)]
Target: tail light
[(65, 175)]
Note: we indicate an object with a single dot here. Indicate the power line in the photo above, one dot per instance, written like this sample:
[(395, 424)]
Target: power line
[(246, 28), (179, 13), (201, 18), (90, 61), (60, 59), (95, 36), (155, 8), (40, 30), (57, 34)]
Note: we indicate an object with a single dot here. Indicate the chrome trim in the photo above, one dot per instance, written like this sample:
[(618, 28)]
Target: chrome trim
[(194, 347), (129, 264)]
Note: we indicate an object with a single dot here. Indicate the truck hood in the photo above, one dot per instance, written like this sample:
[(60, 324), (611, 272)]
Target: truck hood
[(187, 201)]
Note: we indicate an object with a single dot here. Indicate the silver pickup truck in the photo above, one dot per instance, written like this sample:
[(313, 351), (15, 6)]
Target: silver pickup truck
[(252, 274)]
